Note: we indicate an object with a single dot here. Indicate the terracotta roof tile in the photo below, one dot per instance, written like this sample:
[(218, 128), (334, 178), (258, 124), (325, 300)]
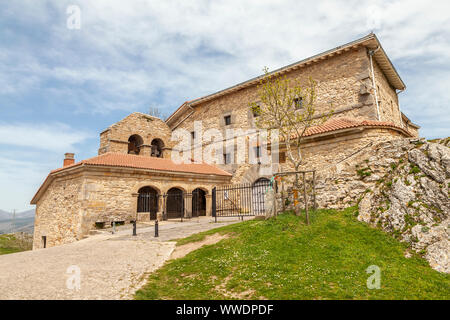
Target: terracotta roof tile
[(344, 123), (151, 163)]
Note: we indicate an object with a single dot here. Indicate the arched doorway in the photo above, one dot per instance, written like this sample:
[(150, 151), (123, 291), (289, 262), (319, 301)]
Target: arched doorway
[(148, 201), (157, 148), (134, 144), (258, 190), (174, 203), (198, 202)]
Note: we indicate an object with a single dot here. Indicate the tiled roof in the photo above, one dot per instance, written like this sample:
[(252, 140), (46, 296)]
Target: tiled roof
[(370, 41), (151, 163), (344, 123)]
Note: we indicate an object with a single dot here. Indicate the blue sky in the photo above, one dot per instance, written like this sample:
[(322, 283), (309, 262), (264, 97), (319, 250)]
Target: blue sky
[(60, 87)]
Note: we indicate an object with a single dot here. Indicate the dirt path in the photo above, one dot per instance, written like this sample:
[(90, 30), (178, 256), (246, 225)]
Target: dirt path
[(109, 266)]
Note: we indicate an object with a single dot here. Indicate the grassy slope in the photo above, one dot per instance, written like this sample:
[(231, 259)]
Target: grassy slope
[(285, 259), (8, 244)]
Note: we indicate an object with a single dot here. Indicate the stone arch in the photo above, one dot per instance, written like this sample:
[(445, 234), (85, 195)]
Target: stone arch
[(135, 143), (175, 203), (199, 202), (176, 186), (141, 185), (148, 201), (157, 146), (252, 174)]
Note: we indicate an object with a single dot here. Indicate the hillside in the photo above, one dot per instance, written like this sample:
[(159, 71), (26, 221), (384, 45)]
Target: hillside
[(23, 222), (285, 259), (11, 243)]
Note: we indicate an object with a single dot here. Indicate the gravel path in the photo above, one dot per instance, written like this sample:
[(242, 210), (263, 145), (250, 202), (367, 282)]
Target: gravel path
[(110, 266)]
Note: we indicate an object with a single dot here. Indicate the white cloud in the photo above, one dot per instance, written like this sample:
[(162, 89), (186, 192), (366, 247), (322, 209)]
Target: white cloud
[(56, 137)]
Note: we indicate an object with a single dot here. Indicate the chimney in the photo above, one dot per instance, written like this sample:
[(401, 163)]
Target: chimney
[(69, 158)]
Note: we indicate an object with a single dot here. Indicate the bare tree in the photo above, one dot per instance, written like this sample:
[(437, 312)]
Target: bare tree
[(157, 112), (290, 107)]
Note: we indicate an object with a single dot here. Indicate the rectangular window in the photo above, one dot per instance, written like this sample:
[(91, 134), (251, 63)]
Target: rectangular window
[(193, 135), (227, 120), (282, 157), (226, 158), (258, 152), (298, 103), (256, 111), (44, 241)]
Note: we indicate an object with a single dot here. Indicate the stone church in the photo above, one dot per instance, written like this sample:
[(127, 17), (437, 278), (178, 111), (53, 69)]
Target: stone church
[(133, 177)]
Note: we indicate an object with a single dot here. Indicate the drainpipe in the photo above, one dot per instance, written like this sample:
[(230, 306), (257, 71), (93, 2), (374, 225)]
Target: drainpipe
[(371, 53)]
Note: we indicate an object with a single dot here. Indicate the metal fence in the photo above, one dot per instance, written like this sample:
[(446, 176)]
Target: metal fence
[(240, 200), (148, 202), (175, 204)]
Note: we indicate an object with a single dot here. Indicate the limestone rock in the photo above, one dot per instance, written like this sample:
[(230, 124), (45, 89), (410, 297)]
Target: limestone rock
[(411, 198)]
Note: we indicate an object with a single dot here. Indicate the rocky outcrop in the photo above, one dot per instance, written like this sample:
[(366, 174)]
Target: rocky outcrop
[(411, 201), (401, 186)]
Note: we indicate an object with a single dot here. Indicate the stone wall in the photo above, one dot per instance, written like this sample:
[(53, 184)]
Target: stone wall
[(72, 204), (59, 213), (387, 98), (115, 138), (344, 85), (339, 80)]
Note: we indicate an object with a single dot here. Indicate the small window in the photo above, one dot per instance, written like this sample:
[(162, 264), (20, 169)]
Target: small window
[(44, 242), (193, 135), (298, 103), (282, 157), (227, 120), (256, 111), (226, 158)]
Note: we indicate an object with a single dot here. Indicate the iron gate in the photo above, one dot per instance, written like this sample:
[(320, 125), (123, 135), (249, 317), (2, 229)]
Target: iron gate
[(148, 202), (184, 205), (240, 200), (175, 204)]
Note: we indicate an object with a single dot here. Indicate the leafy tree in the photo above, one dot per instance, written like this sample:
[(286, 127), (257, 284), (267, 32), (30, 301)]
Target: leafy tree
[(288, 106)]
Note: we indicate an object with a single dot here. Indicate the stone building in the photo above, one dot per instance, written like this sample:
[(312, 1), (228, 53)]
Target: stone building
[(135, 156)]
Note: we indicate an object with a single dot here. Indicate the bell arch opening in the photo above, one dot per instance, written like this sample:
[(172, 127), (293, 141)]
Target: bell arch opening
[(135, 143), (157, 148)]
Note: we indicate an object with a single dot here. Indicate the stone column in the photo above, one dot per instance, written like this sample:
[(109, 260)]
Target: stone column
[(208, 205), (166, 152), (161, 204), (146, 150), (134, 206), (188, 205)]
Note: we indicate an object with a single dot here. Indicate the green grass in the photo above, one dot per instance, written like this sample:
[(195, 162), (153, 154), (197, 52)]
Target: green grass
[(9, 244), (285, 259)]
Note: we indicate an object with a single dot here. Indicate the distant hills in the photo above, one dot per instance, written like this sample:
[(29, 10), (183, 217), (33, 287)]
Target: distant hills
[(23, 222)]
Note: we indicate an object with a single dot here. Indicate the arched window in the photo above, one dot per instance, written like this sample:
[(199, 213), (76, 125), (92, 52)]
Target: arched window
[(134, 144), (157, 148)]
